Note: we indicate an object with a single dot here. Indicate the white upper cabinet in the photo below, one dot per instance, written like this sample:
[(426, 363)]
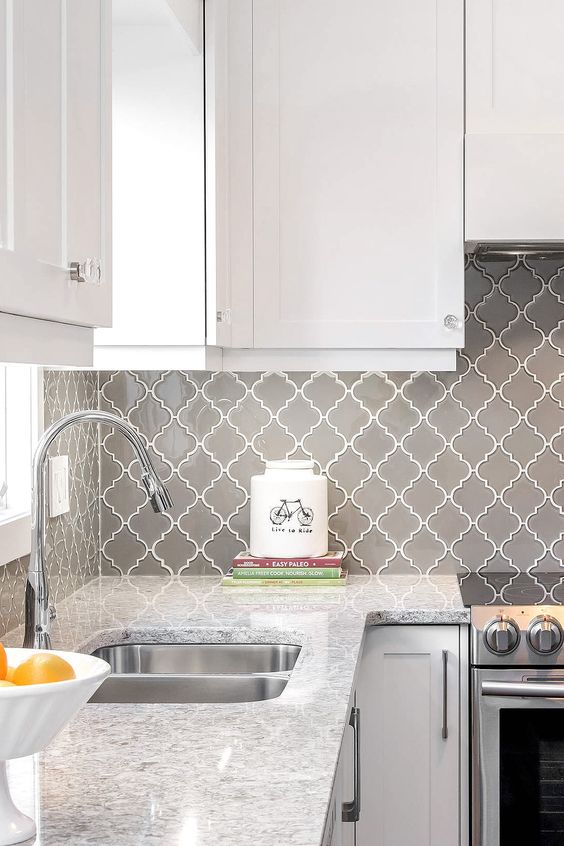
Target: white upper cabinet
[(54, 155), (342, 153), (515, 120)]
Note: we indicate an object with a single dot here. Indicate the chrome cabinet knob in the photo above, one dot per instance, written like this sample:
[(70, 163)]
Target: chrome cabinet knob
[(502, 635), (545, 635), (451, 321), (87, 272)]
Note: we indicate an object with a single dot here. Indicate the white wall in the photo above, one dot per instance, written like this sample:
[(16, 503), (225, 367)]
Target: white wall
[(158, 179)]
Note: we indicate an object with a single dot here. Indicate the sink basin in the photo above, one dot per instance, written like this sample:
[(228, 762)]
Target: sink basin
[(195, 672), (152, 688), (208, 658)]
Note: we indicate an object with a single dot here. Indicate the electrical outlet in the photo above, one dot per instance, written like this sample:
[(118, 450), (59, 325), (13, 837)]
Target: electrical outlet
[(58, 485)]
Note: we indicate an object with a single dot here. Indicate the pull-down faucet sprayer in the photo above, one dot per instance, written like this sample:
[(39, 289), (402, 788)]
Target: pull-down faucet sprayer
[(38, 611)]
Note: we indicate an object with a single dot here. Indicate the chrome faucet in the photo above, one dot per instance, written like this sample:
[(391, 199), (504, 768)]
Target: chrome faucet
[(38, 611)]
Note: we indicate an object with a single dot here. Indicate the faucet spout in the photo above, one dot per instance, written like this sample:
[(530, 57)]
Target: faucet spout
[(38, 611)]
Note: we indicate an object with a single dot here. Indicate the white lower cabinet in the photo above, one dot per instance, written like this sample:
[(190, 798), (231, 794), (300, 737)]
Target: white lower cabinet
[(412, 768)]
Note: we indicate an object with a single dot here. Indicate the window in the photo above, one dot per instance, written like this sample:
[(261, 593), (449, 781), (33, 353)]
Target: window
[(19, 424)]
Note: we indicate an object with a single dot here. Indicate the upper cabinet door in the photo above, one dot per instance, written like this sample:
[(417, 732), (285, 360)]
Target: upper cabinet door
[(515, 120), (55, 154), (357, 173)]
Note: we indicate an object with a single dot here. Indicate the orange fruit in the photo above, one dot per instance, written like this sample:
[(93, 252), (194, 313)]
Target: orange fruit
[(10, 674), (6, 683), (3, 662), (41, 668)]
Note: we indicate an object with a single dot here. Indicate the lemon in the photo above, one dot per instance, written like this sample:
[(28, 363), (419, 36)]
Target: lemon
[(42, 668)]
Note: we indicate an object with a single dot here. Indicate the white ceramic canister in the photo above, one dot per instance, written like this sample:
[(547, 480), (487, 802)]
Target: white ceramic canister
[(289, 511)]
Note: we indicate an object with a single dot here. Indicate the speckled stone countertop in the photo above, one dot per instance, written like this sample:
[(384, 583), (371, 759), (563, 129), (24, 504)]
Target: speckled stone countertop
[(213, 775)]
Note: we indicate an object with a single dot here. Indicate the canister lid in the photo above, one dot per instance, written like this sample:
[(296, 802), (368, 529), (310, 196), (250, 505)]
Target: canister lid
[(290, 464)]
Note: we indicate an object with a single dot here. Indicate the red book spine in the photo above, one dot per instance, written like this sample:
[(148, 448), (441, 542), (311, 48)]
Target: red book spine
[(287, 563)]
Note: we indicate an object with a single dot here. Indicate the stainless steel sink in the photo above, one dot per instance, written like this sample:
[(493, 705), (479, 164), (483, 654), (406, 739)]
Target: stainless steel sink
[(152, 688), (195, 672), (208, 658)]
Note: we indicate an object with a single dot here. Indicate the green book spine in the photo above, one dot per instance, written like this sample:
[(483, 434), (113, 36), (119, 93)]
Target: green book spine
[(288, 573), (228, 581)]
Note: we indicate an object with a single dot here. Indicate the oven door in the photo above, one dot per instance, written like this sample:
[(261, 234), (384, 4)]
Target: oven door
[(518, 757)]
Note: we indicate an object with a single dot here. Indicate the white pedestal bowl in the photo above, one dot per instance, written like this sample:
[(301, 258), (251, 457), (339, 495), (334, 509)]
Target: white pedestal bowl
[(31, 716)]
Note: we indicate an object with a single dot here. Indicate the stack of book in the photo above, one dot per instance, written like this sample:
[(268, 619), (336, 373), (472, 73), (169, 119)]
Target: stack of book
[(325, 571)]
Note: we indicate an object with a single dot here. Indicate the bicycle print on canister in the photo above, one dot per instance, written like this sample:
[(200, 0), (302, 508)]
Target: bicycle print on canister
[(286, 510), (289, 511)]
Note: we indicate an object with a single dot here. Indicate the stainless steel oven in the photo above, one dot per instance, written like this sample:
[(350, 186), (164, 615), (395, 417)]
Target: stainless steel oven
[(517, 681), (518, 757)]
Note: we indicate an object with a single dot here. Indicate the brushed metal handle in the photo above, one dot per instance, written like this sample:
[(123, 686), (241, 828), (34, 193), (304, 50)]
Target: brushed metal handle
[(444, 732), (542, 690), (88, 272), (351, 810)]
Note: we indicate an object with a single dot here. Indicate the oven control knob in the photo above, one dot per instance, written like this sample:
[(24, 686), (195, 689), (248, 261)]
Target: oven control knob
[(545, 635), (502, 635)]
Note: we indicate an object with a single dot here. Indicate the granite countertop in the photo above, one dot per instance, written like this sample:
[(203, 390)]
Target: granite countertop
[(213, 775)]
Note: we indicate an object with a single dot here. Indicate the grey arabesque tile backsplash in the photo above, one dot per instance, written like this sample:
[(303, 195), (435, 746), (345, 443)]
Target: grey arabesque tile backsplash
[(73, 539), (12, 594), (427, 471)]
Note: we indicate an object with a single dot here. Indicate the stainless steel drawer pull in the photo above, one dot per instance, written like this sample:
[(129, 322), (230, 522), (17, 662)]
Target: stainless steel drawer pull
[(543, 690), (351, 810), (444, 732)]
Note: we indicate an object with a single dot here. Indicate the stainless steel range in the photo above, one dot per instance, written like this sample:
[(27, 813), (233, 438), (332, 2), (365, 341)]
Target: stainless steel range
[(517, 660)]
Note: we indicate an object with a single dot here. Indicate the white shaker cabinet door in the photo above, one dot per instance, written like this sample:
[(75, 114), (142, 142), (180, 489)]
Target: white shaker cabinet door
[(357, 173), (410, 768), (54, 154), (514, 120)]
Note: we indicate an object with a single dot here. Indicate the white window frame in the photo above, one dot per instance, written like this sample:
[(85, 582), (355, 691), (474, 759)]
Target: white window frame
[(21, 421)]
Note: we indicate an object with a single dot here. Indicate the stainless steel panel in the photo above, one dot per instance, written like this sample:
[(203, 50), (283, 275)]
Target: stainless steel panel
[(504, 250), (526, 690), (153, 688), (523, 655), (189, 658), (485, 738), (350, 811)]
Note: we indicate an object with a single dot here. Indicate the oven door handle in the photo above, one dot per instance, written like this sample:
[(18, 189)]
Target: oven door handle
[(543, 690)]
